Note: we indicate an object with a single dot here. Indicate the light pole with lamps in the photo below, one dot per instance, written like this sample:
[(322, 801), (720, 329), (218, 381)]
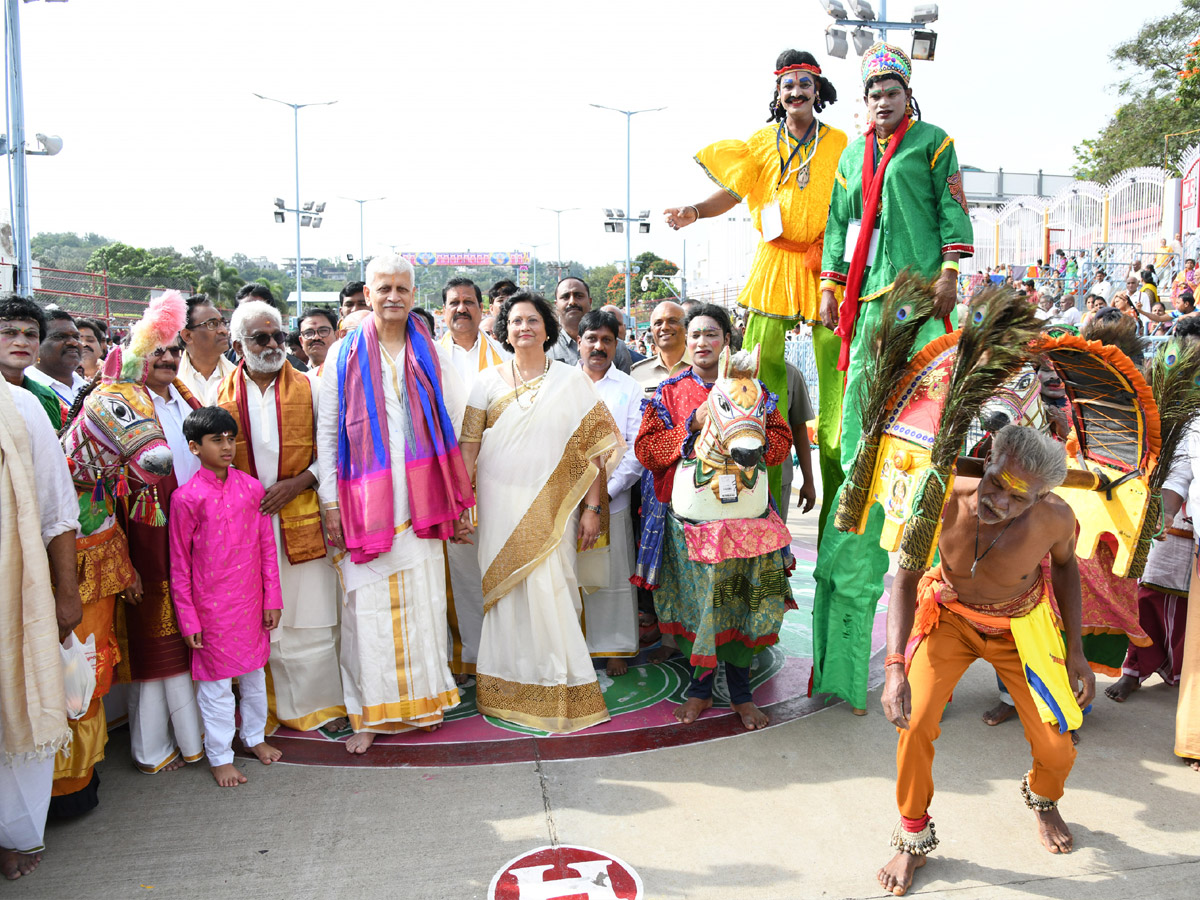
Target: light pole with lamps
[(296, 107), (361, 258), (628, 114), (533, 256)]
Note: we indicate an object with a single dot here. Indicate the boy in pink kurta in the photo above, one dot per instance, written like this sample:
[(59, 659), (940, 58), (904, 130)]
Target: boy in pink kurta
[(225, 585)]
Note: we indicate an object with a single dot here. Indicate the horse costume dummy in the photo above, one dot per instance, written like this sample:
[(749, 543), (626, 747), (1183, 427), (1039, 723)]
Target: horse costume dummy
[(725, 550), (115, 450)]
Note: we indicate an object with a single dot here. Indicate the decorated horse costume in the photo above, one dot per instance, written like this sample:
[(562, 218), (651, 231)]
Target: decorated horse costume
[(725, 551), (115, 450)]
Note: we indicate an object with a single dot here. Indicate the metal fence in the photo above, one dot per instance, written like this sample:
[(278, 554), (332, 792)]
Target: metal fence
[(94, 295)]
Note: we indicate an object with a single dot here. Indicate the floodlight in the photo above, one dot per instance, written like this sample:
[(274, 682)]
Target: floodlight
[(316, 222), (835, 42), (349, 257), (610, 227), (862, 10), (608, 213), (620, 214), (644, 214), (305, 221), (924, 44), (863, 38), (645, 282), (279, 217), (925, 13), (620, 228), (307, 207), (279, 202), (320, 208), (644, 227), (50, 145), (834, 8)]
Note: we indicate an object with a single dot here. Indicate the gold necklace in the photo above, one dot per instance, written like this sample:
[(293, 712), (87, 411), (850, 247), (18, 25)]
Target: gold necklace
[(519, 382)]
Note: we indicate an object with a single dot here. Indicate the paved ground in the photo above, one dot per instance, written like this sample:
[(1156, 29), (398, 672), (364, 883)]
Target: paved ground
[(802, 810)]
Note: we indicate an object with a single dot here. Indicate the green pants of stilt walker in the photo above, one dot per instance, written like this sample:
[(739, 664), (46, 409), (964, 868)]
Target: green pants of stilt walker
[(770, 333), (850, 567)]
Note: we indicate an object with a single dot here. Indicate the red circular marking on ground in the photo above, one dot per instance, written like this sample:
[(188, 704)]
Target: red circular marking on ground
[(566, 872)]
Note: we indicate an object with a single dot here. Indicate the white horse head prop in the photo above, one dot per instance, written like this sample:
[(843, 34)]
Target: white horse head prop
[(727, 478)]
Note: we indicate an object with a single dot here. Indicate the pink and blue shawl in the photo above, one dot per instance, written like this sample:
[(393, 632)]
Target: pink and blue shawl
[(439, 490)]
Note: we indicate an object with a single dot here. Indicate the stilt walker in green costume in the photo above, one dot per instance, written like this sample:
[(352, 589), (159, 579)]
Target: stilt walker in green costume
[(901, 183), (785, 173)]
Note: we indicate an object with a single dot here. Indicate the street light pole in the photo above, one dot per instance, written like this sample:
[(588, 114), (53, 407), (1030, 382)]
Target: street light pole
[(361, 258), (558, 226), (16, 146), (628, 114), (296, 107)]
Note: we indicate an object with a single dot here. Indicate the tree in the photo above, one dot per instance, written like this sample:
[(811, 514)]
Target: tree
[(1152, 63), (66, 250), (162, 266), (222, 283)]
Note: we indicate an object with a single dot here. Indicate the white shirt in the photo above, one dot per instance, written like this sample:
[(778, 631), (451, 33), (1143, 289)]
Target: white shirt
[(171, 413), (264, 429), (58, 503), (67, 393), (622, 394), (204, 389), (469, 363), (1069, 316)]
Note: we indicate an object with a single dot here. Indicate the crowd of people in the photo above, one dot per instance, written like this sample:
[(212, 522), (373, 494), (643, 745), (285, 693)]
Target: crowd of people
[(364, 516)]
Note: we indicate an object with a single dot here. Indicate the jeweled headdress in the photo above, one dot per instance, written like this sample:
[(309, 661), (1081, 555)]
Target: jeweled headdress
[(886, 59)]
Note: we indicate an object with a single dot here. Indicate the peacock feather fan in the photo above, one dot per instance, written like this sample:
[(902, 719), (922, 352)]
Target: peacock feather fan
[(1174, 376), (999, 335), (907, 307)]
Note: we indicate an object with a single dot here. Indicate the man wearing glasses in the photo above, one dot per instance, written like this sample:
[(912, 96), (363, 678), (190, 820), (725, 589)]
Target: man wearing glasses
[(318, 331), (277, 409), (205, 339), (164, 720)]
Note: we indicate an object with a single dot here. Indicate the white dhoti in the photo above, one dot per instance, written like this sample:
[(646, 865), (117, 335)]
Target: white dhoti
[(465, 607), (394, 639), (304, 682), (24, 800), (610, 620), (164, 722)]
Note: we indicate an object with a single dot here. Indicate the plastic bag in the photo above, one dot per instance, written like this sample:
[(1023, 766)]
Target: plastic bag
[(79, 674)]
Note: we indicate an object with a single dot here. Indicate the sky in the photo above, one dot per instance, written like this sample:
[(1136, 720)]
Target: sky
[(469, 116)]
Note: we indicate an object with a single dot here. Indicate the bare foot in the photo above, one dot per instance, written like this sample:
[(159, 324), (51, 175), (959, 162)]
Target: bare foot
[(1192, 763), (360, 741), (897, 875), (1120, 689), (752, 717), (177, 763), (616, 666), (429, 729), (857, 711), (1001, 712), (14, 865), (660, 654), (1053, 831), (691, 709), (266, 753), (338, 725), (461, 678), (228, 776)]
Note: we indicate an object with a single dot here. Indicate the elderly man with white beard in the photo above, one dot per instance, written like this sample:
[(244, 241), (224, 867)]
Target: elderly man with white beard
[(276, 410)]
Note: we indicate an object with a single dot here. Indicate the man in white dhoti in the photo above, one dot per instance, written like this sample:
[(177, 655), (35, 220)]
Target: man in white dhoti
[(610, 612), (471, 351), (35, 498), (393, 486), (276, 410)]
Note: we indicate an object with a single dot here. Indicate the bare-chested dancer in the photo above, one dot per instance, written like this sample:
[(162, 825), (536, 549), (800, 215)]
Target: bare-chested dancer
[(988, 601)]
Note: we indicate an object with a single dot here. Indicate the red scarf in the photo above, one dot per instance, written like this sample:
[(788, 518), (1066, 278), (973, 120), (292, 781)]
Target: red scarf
[(872, 190)]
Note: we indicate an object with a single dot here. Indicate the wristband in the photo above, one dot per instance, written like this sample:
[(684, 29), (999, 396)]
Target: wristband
[(950, 264), (696, 211), (594, 509), (894, 659)]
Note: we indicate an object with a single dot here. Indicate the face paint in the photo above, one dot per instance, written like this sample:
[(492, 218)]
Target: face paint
[(1013, 483)]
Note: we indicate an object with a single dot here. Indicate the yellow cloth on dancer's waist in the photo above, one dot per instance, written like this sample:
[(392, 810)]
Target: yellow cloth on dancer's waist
[(1036, 634)]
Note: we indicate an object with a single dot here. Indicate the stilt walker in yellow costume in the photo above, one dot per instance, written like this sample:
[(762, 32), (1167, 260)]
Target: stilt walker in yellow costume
[(785, 173)]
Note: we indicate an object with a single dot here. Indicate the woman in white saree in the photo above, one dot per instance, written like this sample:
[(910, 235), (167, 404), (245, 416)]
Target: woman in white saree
[(535, 437)]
